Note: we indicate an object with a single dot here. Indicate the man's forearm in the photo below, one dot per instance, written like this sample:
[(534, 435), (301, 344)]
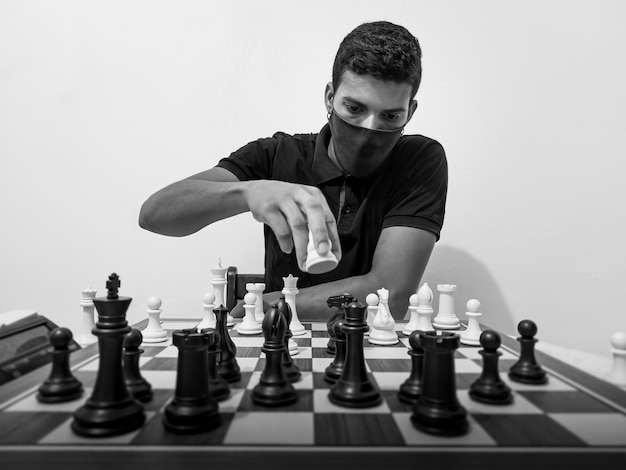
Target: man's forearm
[(187, 206), (311, 301)]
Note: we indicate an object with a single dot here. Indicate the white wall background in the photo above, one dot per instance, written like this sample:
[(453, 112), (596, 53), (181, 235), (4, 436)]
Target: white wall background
[(104, 102)]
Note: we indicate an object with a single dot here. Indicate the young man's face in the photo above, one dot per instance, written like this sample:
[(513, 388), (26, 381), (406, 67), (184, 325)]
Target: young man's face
[(368, 103)]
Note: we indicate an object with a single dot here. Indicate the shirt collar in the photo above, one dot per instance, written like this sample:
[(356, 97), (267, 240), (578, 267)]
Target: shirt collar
[(324, 169)]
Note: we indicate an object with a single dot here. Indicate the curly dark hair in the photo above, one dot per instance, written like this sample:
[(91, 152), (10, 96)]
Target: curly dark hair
[(382, 49)]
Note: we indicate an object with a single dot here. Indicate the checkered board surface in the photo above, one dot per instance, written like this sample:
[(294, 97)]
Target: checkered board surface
[(558, 415)]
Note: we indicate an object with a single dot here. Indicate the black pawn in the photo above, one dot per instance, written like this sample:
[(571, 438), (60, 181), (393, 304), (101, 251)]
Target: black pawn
[(489, 387), (61, 385), (334, 370), (412, 387), (227, 365), (137, 385), (193, 409), (438, 410), (354, 389), (338, 302), (274, 389), (526, 369), (218, 387), (111, 410), (292, 372)]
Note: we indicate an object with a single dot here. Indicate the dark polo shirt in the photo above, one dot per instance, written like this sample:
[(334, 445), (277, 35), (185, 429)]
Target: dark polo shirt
[(408, 189)]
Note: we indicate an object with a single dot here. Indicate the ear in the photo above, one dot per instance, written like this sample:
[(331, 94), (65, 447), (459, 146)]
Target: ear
[(412, 108), (329, 92)]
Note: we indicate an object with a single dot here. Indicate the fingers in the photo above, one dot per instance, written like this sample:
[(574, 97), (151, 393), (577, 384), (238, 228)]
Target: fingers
[(293, 211), (297, 222), (282, 231)]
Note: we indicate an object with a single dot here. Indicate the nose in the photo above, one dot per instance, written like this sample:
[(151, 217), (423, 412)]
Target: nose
[(371, 121)]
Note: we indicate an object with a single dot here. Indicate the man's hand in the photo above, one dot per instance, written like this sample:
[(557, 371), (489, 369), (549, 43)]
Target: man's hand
[(291, 211)]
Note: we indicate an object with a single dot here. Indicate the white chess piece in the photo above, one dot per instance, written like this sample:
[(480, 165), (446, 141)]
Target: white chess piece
[(290, 291), (249, 325), (257, 289), (317, 263), (218, 281), (618, 371), (471, 336), (372, 307), (383, 327), (425, 308), (293, 347), (413, 323), (446, 319), (208, 317), (154, 332), (84, 336)]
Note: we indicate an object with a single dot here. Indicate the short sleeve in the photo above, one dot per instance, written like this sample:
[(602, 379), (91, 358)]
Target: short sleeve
[(253, 161), (418, 198)]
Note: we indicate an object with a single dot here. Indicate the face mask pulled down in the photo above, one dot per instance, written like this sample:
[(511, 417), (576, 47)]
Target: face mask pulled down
[(359, 151)]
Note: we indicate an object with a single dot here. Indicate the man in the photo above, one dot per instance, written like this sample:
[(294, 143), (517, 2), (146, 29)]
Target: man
[(372, 196)]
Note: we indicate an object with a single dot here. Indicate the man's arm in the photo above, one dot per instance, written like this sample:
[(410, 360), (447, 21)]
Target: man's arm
[(400, 259), (290, 210)]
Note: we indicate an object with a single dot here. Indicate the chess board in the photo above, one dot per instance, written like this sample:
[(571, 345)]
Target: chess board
[(573, 420)]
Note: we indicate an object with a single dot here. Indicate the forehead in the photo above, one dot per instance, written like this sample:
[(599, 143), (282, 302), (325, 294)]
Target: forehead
[(374, 92)]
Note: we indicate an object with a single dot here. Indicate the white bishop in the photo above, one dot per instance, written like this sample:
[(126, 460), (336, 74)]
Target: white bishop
[(383, 327)]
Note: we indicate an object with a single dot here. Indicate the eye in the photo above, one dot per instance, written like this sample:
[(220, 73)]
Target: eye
[(392, 117), (352, 108)]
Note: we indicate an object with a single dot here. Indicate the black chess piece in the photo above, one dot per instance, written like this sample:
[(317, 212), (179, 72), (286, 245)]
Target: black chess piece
[(274, 389), (412, 387), (334, 370), (193, 409), (227, 365), (526, 369), (355, 389), (111, 410), (137, 385), (438, 410), (291, 370), (489, 387), (218, 387), (338, 302), (61, 385)]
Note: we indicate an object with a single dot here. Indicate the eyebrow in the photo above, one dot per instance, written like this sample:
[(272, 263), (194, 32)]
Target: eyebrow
[(357, 102)]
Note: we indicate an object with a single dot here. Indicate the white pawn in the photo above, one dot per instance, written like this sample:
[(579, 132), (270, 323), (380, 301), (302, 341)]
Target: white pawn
[(372, 307), (84, 335), (413, 323), (425, 308), (249, 325), (290, 291), (383, 327), (618, 371), (154, 332), (208, 317), (471, 335), (257, 289), (446, 319), (316, 263)]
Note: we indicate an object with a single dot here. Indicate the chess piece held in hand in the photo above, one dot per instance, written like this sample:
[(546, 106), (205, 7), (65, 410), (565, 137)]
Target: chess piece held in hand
[(317, 263)]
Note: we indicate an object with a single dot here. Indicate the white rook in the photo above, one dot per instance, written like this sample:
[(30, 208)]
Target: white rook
[(446, 319), (257, 289), (85, 336)]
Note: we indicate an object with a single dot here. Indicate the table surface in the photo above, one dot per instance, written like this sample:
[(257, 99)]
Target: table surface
[(478, 450)]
